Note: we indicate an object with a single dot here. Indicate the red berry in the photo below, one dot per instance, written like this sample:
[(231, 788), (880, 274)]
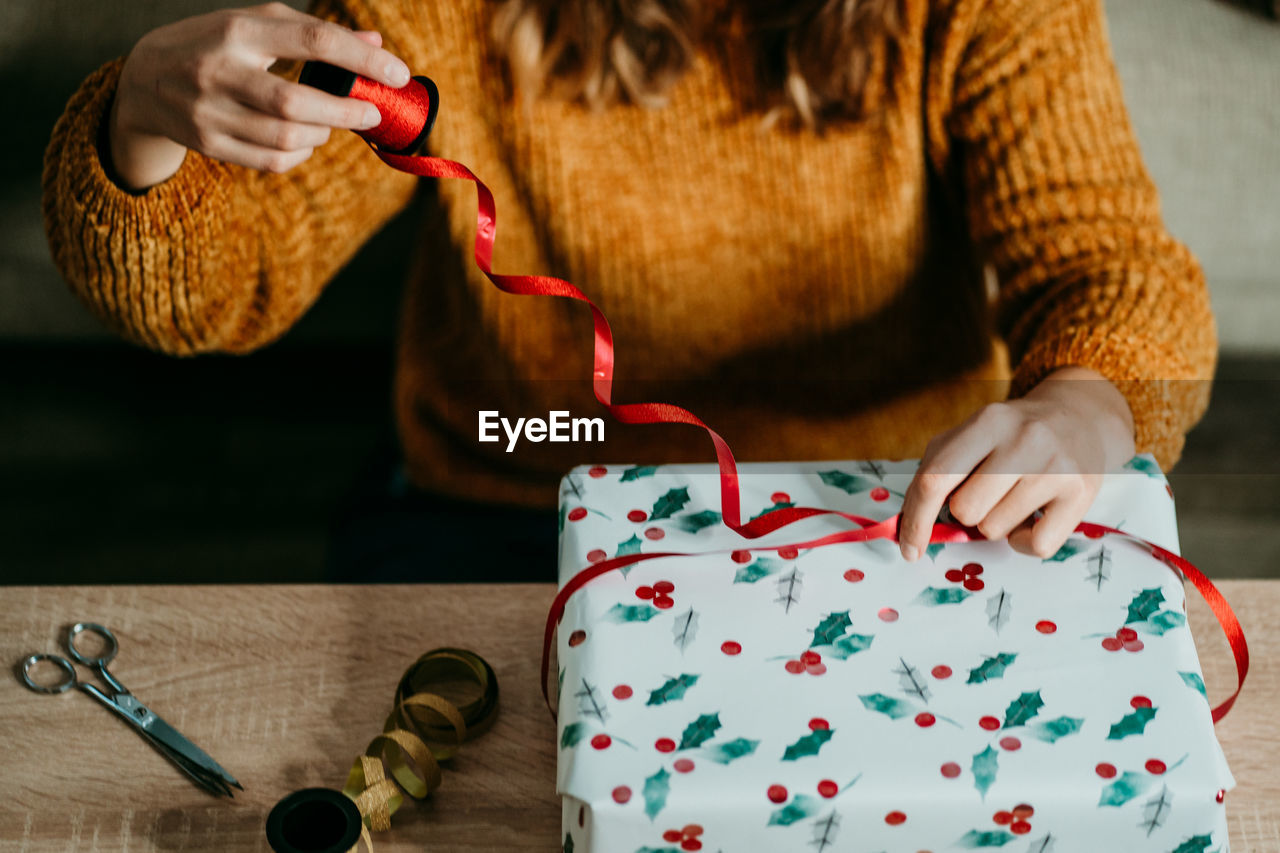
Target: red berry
[(1010, 743), (1135, 646), (690, 844), (1127, 635), (683, 765), (1020, 827), (1140, 702), (1105, 770), (662, 602), (972, 569), (828, 788), (941, 671), (816, 668), (924, 719), (577, 513), (854, 575), (1044, 626), (795, 667), (950, 770), (1003, 818), (788, 553), (1023, 810), (879, 493), (601, 741), (1221, 795), (664, 587), (817, 723), (888, 614), (644, 592), (621, 795), (672, 835), (1111, 644), (664, 744), (582, 815), (692, 830), (780, 498), (637, 515), (654, 533), (577, 638), (955, 575), (973, 584), (598, 471), (1155, 766), (989, 723), (895, 818), (622, 691), (595, 555), (777, 794), (810, 657), (741, 556), (1092, 532), (731, 647)]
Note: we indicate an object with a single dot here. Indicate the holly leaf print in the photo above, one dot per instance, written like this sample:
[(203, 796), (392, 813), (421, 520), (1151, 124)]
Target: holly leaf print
[(934, 550), (564, 514), (623, 613), (631, 546), (656, 789), (850, 483), (1022, 709), (985, 838), (723, 753), (572, 734), (761, 568), (693, 522), (1194, 681), (789, 589), (800, 807), (672, 689), (911, 682), (991, 668), (685, 628), (568, 843), (1165, 620), (1133, 723), (1099, 567), (999, 610), (893, 708), (842, 648), (700, 731), (933, 596), (1146, 466), (647, 849), (670, 503), (1144, 605), (830, 628), (1156, 810), (1044, 844), (808, 745), (637, 472), (824, 831), (776, 506), (985, 764), (1068, 550), (1124, 789), (1050, 730), (1194, 844)]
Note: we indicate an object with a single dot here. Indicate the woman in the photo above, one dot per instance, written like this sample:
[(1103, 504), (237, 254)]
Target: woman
[(833, 229)]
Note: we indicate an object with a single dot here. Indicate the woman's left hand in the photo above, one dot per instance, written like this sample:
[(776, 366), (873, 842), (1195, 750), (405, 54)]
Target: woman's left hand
[(1047, 450)]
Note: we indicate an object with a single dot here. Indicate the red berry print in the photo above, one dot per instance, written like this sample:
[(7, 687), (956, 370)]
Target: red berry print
[(1044, 626), (622, 691), (577, 513), (780, 498), (683, 765), (818, 724), (664, 587), (941, 671), (973, 584), (816, 668), (810, 657), (888, 614), (637, 515), (731, 647), (1003, 818), (692, 830), (622, 795), (741, 556), (955, 576), (601, 741), (879, 493), (924, 719), (1221, 795), (582, 815), (854, 575), (663, 602), (1092, 532), (795, 667), (972, 570), (1105, 770), (644, 592), (654, 533), (895, 818), (690, 844), (1140, 702), (1134, 646), (1155, 766), (1023, 810), (1010, 743), (777, 794), (950, 770), (989, 723), (828, 788), (577, 638), (595, 555), (788, 553), (672, 835), (1020, 827), (1126, 635), (1111, 644), (598, 472), (664, 744)]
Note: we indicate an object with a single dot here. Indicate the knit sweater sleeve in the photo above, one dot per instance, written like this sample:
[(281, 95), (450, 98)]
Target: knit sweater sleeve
[(1028, 121), (218, 258)]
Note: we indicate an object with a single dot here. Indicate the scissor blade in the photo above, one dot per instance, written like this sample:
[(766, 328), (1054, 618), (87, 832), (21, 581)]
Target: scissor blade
[(173, 742)]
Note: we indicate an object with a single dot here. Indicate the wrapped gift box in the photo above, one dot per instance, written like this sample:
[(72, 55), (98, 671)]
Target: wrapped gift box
[(839, 698)]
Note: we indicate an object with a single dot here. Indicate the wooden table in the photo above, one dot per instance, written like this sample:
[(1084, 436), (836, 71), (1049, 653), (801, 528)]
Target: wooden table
[(284, 686)]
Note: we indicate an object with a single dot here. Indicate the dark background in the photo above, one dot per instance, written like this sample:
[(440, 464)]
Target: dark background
[(117, 465)]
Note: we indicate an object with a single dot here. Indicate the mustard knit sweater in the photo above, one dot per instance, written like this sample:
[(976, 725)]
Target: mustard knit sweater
[(839, 295)]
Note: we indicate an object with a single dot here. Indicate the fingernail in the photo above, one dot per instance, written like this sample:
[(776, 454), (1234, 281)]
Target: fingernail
[(910, 553), (372, 118), (397, 73)]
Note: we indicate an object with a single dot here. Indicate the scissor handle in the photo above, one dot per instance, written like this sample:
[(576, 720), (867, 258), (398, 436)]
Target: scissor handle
[(98, 661), (69, 673)]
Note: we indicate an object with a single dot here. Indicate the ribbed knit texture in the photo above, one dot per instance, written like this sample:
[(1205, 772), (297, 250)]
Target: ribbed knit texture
[(809, 295)]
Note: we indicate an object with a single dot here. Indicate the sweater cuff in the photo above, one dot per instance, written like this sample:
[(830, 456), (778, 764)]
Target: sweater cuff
[(1163, 406)]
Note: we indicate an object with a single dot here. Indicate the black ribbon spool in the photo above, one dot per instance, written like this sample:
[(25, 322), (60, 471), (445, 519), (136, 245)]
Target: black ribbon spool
[(338, 81), (314, 820)]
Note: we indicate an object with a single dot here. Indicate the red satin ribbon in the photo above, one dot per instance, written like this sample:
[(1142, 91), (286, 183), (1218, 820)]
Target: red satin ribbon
[(659, 413)]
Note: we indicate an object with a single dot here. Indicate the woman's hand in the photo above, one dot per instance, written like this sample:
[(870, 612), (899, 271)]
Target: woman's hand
[(1047, 450), (203, 83)]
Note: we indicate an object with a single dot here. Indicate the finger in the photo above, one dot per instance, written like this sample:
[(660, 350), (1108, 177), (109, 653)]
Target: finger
[(270, 132), (1060, 517), (230, 150), (320, 40), (1027, 496), (373, 37), (267, 93), (984, 489)]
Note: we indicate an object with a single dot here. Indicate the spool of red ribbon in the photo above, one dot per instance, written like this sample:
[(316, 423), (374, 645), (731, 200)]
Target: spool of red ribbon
[(407, 113)]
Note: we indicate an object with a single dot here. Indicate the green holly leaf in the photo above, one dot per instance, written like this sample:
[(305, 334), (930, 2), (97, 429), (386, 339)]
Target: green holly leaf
[(830, 628), (637, 472), (934, 550), (932, 596), (695, 521), (1022, 709), (723, 753), (991, 668), (1133, 723), (989, 838), (657, 850), (568, 843), (1146, 466), (672, 689), (700, 731), (564, 514), (631, 546), (572, 734), (1194, 681), (1165, 620), (842, 648), (1050, 730), (775, 507), (800, 807), (1068, 550), (985, 764), (623, 613), (1194, 844), (670, 503), (850, 483), (808, 745), (1124, 789), (656, 789), (1144, 605), (893, 708), (761, 568)]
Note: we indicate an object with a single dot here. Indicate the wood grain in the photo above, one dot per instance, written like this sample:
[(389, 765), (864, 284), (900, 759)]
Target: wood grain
[(284, 685)]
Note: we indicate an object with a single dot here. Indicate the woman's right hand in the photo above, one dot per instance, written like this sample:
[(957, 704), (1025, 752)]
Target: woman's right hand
[(203, 83)]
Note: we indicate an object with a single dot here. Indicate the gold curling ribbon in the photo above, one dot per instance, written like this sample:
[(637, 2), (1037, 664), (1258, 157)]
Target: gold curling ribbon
[(422, 730)]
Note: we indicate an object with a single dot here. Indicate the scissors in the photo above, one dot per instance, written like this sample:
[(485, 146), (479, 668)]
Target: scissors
[(188, 757)]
